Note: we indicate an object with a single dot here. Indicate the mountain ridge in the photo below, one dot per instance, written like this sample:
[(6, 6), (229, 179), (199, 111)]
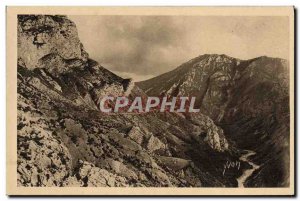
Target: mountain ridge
[(64, 140), (248, 99)]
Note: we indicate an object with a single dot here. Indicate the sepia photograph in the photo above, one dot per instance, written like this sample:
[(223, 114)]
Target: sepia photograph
[(150, 101)]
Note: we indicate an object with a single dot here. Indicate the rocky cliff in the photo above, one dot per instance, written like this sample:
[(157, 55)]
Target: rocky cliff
[(248, 99), (64, 140)]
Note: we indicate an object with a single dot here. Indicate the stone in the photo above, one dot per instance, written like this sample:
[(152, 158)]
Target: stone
[(136, 135), (155, 144)]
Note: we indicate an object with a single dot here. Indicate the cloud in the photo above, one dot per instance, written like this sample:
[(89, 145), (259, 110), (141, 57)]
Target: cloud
[(135, 77), (146, 46), (138, 43)]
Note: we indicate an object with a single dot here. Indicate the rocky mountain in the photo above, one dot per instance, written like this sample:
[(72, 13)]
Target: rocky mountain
[(64, 140), (248, 99)]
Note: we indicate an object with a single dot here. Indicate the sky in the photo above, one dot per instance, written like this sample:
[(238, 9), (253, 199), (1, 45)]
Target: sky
[(141, 47)]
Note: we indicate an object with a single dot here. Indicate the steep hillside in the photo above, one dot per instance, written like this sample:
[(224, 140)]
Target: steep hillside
[(249, 99), (64, 140)]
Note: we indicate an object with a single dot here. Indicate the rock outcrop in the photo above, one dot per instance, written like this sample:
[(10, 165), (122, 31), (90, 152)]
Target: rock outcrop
[(49, 41)]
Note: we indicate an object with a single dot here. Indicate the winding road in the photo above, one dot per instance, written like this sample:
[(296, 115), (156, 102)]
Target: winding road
[(248, 172)]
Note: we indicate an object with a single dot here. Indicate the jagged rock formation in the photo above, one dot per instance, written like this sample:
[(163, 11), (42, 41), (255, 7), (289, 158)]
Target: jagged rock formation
[(64, 140), (46, 40), (248, 99)]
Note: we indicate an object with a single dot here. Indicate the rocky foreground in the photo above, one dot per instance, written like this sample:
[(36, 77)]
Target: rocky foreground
[(64, 140)]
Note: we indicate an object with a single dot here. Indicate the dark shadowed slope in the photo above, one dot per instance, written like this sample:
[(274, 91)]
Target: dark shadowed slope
[(249, 99)]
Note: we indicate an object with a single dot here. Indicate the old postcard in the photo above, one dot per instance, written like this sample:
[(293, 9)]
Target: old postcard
[(150, 101)]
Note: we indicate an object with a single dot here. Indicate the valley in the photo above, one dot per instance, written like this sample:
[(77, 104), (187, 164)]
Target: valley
[(65, 140)]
